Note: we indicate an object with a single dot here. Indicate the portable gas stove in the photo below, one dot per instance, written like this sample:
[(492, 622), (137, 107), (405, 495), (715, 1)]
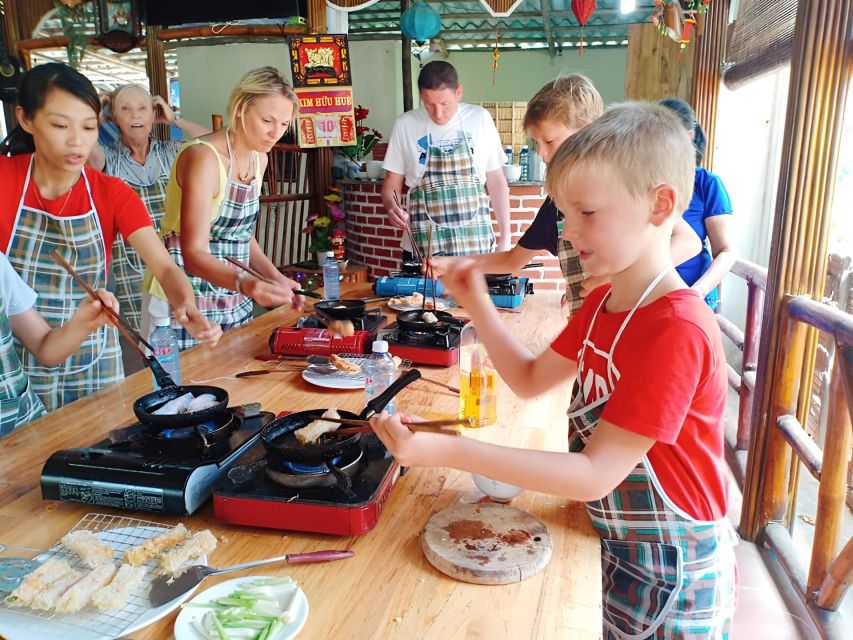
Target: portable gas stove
[(508, 292), (146, 468), (290, 341), (344, 495), (439, 347), (406, 282)]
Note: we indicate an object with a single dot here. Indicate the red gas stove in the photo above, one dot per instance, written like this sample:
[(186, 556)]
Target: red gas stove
[(344, 495), (439, 347), (310, 336)]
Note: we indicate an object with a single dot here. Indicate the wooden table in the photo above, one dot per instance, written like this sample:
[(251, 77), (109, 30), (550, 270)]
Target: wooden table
[(388, 590)]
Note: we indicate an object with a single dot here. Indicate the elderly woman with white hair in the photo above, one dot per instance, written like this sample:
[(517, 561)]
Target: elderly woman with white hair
[(143, 163)]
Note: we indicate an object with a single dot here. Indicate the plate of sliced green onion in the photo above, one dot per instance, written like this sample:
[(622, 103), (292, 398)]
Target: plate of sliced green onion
[(266, 608)]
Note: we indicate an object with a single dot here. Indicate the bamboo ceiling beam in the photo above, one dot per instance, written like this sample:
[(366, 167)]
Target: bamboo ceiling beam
[(546, 22), (710, 51), (820, 76), (233, 30), (158, 80)]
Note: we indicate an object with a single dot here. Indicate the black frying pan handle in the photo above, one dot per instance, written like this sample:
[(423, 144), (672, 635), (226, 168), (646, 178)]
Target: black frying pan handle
[(163, 378), (379, 402)]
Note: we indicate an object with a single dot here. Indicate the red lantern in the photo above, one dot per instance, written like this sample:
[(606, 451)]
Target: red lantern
[(582, 9)]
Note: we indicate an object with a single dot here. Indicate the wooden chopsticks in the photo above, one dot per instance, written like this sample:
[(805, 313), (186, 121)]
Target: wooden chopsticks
[(127, 330), (363, 426), (416, 252), (256, 274)]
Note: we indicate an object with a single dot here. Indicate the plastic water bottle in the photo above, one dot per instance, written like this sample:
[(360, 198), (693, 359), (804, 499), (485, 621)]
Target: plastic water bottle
[(165, 343), (379, 372), (331, 278), (524, 161), (509, 156)]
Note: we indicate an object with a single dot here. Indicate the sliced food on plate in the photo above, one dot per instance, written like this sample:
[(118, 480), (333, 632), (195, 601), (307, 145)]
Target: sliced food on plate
[(114, 595), (79, 595), (342, 364), (88, 547), (199, 544), (37, 583), (151, 548)]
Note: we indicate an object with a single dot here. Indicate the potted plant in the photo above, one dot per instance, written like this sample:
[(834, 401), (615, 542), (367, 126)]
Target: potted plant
[(365, 139), (322, 226)]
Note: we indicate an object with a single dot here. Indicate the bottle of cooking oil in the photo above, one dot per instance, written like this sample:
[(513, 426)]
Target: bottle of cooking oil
[(478, 381)]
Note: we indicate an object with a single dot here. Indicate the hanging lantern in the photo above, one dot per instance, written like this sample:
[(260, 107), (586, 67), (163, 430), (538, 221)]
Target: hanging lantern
[(582, 9), (119, 26), (420, 22)]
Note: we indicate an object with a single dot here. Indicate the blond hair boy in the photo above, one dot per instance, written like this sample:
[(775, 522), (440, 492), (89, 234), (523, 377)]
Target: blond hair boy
[(646, 415)]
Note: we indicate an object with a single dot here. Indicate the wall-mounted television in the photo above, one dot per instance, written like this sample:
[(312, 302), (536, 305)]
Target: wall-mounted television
[(172, 12)]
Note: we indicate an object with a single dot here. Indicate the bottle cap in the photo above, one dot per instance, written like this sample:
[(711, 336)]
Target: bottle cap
[(329, 254), (380, 346), (163, 322), (524, 146)]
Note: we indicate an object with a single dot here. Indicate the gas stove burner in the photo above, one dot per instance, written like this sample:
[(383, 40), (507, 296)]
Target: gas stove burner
[(409, 269), (336, 472), (507, 291), (188, 432), (494, 278), (203, 440), (439, 347)]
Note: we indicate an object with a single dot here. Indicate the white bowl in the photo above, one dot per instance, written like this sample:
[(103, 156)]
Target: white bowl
[(512, 172), (495, 489), (374, 169), (362, 175)]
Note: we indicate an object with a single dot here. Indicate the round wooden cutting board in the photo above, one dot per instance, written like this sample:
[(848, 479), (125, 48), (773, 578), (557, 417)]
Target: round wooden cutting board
[(486, 543)]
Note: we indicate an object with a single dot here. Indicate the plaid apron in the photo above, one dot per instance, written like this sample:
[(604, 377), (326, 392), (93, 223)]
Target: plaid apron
[(451, 199), (18, 403), (664, 574), (128, 269), (80, 240), (570, 265), (230, 234)]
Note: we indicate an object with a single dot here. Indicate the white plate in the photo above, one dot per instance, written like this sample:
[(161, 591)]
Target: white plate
[(337, 380), (184, 629), (17, 625)]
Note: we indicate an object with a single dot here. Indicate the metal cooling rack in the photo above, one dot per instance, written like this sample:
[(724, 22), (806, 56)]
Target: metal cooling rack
[(360, 359), (121, 533)]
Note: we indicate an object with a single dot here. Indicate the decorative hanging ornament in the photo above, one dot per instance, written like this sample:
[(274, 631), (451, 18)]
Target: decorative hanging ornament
[(496, 54), (582, 9), (420, 22)]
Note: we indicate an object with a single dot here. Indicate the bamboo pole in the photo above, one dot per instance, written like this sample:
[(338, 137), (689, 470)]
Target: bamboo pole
[(317, 16), (755, 302), (786, 384), (155, 67), (710, 49), (820, 72), (832, 489), (837, 579), (406, 64)]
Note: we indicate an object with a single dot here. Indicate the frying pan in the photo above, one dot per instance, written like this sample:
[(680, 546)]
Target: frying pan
[(145, 406), (411, 321), (341, 309), (279, 439)]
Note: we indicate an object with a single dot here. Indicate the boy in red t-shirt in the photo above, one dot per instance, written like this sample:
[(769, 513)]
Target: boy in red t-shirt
[(646, 417)]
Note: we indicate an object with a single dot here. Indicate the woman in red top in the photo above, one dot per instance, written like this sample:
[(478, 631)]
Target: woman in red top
[(54, 203)]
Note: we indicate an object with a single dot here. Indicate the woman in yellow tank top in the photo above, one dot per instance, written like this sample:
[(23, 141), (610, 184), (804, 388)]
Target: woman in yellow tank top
[(212, 205)]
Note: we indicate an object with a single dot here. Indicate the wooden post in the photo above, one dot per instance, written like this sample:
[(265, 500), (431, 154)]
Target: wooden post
[(832, 489), (155, 67), (216, 121), (317, 16), (656, 67), (754, 305), (786, 385), (709, 44), (406, 61), (820, 72)]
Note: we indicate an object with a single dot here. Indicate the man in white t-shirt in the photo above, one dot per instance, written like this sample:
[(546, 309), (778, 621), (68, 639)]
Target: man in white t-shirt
[(445, 152)]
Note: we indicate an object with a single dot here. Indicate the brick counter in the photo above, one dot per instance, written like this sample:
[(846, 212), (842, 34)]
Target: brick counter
[(371, 240)]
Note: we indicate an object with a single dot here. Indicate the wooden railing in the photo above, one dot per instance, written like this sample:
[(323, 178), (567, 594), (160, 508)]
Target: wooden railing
[(742, 378), (286, 199), (823, 582)]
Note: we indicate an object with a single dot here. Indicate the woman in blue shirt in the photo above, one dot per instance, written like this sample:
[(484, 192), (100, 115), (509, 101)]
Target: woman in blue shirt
[(709, 215)]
